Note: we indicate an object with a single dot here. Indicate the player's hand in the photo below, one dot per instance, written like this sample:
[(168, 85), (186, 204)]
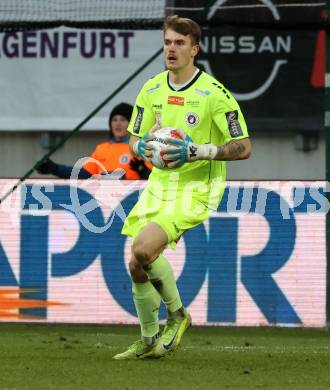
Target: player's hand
[(141, 148), (182, 150), (185, 150)]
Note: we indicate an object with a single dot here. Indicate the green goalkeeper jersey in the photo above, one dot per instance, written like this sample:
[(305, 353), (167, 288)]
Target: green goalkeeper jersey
[(206, 111)]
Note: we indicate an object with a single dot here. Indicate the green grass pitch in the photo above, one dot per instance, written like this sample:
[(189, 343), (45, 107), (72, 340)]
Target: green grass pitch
[(73, 357)]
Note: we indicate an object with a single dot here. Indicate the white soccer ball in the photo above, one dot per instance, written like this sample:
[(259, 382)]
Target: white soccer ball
[(159, 144)]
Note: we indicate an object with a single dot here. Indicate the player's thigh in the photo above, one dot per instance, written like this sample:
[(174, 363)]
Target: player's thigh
[(150, 242), (177, 223)]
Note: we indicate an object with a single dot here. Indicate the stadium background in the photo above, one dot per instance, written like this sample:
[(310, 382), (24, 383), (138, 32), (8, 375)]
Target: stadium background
[(272, 55)]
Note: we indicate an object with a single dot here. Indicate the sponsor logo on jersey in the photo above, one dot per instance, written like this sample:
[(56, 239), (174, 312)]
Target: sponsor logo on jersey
[(177, 100), (233, 124), (202, 93), (191, 119), (157, 106), (138, 119), (193, 103), (153, 89), (124, 159), (158, 116)]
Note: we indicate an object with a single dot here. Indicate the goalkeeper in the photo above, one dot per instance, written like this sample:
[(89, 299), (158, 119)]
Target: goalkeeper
[(213, 131)]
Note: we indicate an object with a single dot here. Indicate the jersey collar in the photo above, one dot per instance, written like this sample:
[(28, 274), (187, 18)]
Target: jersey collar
[(186, 86)]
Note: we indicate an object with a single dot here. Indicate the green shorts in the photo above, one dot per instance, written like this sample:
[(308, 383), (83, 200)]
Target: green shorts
[(174, 216)]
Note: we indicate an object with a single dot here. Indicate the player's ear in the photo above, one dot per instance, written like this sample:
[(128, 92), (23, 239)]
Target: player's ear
[(195, 50)]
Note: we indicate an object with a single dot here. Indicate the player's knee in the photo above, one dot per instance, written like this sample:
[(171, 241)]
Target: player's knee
[(141, 253), (134, 267)]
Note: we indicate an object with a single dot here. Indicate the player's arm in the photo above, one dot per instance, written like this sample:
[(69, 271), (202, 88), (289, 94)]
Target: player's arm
[(233, 150), (140, 147), (186, 150), (141, 127), (132, 141)]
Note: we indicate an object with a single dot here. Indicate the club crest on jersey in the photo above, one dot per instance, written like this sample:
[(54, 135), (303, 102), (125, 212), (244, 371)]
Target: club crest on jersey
[(191, 119), (177, 100), (124, 159), (233, 124)]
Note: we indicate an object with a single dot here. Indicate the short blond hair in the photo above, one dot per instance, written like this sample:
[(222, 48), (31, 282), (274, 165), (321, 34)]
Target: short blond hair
[(183, 26)]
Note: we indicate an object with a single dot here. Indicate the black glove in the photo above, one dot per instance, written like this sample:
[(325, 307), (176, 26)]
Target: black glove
[(140, 167), (48, 166)]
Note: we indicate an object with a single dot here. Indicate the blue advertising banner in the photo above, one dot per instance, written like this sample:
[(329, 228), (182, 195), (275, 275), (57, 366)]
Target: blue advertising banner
[(260, 259)]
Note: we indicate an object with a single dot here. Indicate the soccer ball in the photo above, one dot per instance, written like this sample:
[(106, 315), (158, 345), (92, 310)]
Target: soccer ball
[(159, 144)]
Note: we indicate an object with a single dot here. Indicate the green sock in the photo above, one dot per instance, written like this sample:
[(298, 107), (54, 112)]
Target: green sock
[(147, 301), (161, 276)]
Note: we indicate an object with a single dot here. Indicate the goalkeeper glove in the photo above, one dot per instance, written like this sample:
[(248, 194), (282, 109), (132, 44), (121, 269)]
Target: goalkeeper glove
[(186, 150), (142, 149)]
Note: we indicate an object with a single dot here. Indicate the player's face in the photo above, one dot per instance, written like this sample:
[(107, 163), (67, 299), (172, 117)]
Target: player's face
[(119, 126), (179, 51)]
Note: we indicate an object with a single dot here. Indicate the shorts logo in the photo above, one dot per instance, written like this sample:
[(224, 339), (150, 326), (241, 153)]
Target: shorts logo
[(233, 124), (191, 119), (124, 159), (138, 119), (176, 227), (177, 100)]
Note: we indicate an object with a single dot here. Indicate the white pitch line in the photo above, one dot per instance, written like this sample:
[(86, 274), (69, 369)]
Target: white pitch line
[(233, 348), (260, 348)]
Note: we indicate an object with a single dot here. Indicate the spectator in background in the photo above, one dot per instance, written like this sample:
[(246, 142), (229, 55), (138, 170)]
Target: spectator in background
[(112, 154)]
